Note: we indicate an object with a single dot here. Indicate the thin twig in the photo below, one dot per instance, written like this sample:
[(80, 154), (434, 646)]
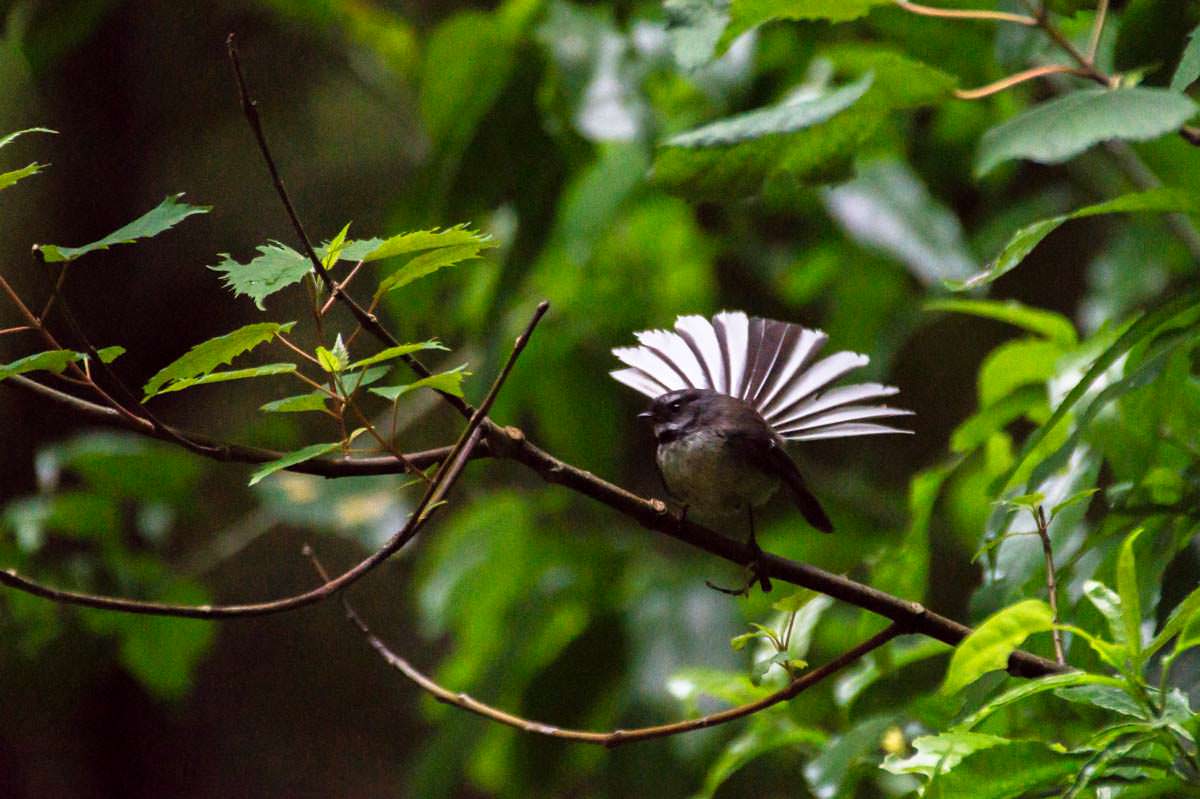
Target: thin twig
[(612, 738), (960, 13), (1097, 30), (367, 319), (1089, 69), (1016, 79), (17, 329), (1043, 529), (448, 472), (341, 287)]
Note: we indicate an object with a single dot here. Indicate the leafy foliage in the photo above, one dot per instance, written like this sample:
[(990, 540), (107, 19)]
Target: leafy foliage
[(166, 215), (202, 359)]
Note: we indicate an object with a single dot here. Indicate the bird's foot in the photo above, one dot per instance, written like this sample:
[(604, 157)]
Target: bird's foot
[(756, 573)]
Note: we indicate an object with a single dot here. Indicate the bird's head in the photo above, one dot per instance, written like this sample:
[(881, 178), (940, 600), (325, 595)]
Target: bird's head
[(675, 413)]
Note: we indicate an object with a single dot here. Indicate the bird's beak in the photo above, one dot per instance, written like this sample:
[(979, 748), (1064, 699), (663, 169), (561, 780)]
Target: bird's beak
[(645, 415)]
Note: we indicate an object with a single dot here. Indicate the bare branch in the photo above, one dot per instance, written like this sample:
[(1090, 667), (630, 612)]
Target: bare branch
[(1097, 30), (1043, 529), (612, 738), (975, 14), (1017, 79)]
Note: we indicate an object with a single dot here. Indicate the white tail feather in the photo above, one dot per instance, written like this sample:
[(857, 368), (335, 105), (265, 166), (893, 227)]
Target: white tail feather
[(771, 365)]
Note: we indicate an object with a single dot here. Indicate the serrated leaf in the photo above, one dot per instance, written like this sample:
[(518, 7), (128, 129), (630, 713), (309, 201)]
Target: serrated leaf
[(1027, 238), (988, 647), (1048, 324), (449, 382), (208, 355), (428, 263), (276, 267), (333, 250), (9, 137), (396, 352), (9, 178), (1189, 63), (1060, 129), (1127, 589), (298, 456), (164, 216), (49, 361), (417, 240), (266, 370)]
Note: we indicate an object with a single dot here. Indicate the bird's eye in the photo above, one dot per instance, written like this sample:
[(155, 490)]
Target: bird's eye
[(676, 405)]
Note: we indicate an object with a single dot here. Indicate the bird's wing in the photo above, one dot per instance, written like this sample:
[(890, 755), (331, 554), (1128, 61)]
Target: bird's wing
[(753, 440)]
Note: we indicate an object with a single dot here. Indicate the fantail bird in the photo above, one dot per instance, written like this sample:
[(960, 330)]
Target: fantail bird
[(727, 396)]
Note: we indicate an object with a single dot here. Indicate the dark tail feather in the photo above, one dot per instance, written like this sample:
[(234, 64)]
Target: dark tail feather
[(809, 507)]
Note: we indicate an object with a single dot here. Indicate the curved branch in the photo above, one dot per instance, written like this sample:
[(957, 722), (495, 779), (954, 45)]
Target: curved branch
[(1017, 79), (959, 13), (612, 738)]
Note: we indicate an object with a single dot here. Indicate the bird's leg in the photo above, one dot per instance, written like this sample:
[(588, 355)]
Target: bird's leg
[(757, 570), (754, 566)]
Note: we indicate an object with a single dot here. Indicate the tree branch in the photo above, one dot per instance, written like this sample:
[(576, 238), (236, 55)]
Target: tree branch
[(612, 738)]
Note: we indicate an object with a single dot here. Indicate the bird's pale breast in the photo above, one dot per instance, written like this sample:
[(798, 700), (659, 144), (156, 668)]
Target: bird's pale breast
[(702, 471)]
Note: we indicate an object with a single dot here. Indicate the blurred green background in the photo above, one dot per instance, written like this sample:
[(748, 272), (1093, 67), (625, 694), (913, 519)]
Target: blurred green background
[(538, 121)]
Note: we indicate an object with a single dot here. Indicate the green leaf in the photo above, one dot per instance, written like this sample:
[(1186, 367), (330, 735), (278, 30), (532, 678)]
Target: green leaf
[(1060, 129), (787, 117), (1127, 589), (331, 361), (937, 754), (1189, 63), (299, 456), (428, 263), (988, 647), (162, 652), (276, 267), (333, 250), (9, 178), (457, 236), (887, 207), (975, 431), (8, 138), (49, 361), (1108, 603), (1007, 770), (299, 403), (1027, 238), (1139, 331), (829, 772), (164, 216), (695, 28), (1108, 696), (794, 601), (208, 355), (110, 354), (1048, 324), (767, 733), (449, 382), (396, 352), (266, 370), (1181, 615), (1054, 682), (748, 14), (1014, 364)]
